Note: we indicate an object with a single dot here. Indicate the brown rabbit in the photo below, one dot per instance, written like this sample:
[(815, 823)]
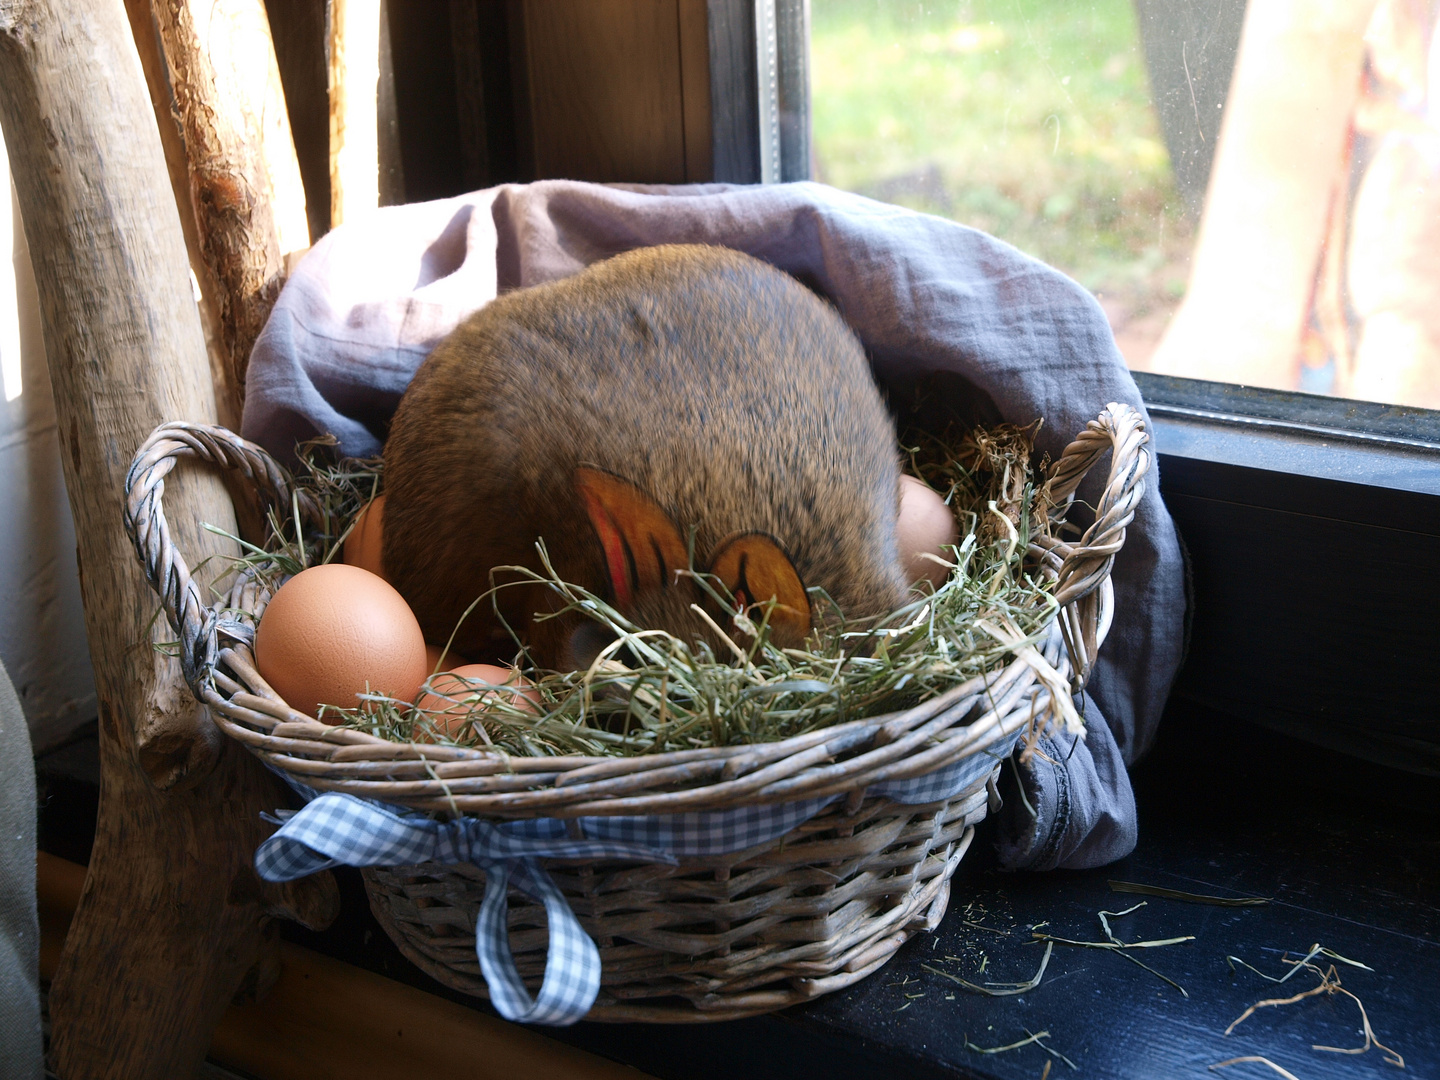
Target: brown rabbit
[(664, 393)]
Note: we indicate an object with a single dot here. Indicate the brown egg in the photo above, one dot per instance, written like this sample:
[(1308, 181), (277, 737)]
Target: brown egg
[(333, 630), (437, 658), (362, 546), (456, 693), (926, 527)]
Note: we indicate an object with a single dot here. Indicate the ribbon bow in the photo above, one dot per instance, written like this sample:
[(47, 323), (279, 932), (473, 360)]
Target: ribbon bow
[(334, 830)]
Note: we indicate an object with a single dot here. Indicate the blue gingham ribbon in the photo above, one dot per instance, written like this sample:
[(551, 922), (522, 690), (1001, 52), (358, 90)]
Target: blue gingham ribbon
[(334, 830), (337, 829)]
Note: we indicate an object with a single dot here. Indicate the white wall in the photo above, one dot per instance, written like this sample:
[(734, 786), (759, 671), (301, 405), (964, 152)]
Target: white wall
[(42, 629)]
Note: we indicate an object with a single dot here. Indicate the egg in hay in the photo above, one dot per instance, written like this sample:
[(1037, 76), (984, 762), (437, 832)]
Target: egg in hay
[(925, 528), (438, 658), (362, 546), (455, 694), (333, 632)]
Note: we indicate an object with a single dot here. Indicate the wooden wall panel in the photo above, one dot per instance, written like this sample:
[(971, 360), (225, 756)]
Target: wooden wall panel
[(605, 89), (695, 90)]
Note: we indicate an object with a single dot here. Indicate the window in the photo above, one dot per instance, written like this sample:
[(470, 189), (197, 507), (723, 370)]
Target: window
[(1253, 195)]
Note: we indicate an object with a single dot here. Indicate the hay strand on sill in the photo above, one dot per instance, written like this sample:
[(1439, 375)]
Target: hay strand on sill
[(1052, 1052), (1111, 941), (1105, 920), (1159, 975), (1120, 950), (1258, 1060), (1017, 988), (1315, 950), (1034, 1038), (1115, 945), (1187, 897), (1329, 984), (1269, 1002), (1031, 1038), (978, 926)]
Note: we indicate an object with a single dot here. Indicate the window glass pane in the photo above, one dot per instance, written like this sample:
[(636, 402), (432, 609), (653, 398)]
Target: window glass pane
[(1253, 193)]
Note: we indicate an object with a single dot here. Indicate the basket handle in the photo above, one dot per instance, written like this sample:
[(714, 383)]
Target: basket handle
[(1083, 590), (165, 567)]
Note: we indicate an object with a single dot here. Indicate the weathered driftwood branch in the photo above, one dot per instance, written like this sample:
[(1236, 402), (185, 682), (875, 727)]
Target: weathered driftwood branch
[(172, 139), (233, 92), (122, 334), (244, 181), (173, 916)]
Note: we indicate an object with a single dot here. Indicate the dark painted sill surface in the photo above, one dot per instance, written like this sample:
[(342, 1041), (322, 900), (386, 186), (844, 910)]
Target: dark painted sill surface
[(1350, 852)]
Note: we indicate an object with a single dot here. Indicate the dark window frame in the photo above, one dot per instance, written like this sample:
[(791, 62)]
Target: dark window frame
[(760, 90), (1313, 531)]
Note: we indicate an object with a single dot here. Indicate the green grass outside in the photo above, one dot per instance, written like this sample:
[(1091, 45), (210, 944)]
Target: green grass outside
[(1029, 119)]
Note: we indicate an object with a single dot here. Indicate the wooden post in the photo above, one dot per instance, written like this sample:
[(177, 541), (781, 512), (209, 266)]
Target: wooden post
[(173, 917), (354, 129), (243, 178)]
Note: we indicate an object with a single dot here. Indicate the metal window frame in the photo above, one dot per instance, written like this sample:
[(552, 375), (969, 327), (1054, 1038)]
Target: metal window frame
[(760, 90)]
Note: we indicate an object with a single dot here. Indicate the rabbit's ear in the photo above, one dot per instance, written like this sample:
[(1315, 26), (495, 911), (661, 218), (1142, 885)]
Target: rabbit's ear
[(642, 546), (755, 569)]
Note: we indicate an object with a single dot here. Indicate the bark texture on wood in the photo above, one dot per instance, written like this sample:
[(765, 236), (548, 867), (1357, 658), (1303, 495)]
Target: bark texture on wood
[(173, 917), (157, 80), (244, 180), (121, 333)]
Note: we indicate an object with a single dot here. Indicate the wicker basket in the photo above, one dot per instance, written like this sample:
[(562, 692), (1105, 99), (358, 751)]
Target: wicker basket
[(717, 937)]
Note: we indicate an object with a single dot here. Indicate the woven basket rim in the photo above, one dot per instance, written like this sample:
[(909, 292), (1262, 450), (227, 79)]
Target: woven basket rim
[(843, 759)]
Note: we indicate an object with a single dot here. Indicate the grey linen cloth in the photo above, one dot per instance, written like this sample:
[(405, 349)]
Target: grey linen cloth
[(930, 299), (20, 1037)]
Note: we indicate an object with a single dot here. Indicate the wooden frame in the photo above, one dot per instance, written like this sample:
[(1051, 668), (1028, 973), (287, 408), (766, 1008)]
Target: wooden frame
[(1309, 523), (641, 91)]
